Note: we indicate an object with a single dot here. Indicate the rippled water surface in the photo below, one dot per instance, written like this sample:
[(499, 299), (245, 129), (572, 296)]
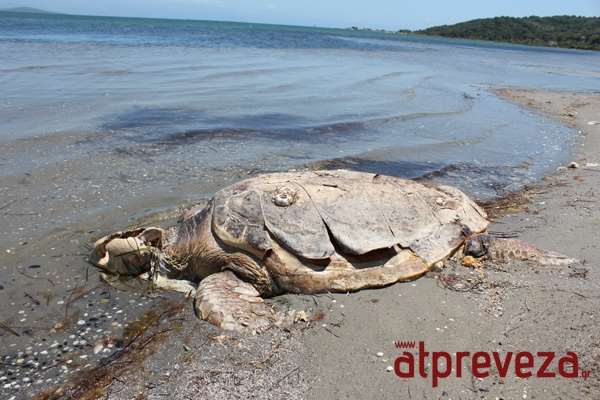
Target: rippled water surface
[(184, 94)]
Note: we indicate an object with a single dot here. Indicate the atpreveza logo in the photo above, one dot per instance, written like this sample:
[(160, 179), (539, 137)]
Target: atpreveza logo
[(522, 364)]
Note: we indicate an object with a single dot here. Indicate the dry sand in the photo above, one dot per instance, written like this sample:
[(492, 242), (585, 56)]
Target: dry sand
[(512, 308)]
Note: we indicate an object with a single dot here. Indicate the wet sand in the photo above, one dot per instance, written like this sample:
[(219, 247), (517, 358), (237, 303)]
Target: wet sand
[(58, 313)]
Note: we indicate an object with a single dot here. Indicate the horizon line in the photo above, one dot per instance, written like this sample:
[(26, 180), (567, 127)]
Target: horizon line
[(381, 30)]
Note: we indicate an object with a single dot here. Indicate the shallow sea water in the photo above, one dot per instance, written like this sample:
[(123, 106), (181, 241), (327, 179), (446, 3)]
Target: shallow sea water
[(169, 90)]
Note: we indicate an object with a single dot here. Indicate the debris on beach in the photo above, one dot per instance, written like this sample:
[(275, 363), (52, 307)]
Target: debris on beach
[(301, 316), (574, 165), (471, 262)]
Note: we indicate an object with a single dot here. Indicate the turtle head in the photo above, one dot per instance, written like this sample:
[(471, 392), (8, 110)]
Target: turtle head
[(476, 246), (127, 253)]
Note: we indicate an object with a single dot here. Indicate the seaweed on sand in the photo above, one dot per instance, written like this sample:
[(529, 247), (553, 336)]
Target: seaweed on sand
[(509, 203)]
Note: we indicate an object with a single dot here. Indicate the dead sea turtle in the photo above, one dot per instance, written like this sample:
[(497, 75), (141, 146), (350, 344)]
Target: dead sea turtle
[(307, 232)]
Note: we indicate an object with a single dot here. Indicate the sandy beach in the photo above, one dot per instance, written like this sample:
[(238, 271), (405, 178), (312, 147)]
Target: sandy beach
[(347, 347)]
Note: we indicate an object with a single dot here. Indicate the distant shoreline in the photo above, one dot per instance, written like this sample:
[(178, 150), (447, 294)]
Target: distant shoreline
[(27, 10), (565, 31), (548, 32)]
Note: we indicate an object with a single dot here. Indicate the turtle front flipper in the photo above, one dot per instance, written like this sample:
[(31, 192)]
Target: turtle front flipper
[(502, 250), (229, 303)]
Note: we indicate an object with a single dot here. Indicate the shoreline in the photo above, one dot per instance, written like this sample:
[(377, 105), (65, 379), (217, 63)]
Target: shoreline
[(336, 357), (560, 106), (531, 100)]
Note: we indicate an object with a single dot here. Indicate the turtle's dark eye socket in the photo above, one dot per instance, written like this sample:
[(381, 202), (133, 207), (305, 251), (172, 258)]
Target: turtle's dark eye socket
[(474, 248)]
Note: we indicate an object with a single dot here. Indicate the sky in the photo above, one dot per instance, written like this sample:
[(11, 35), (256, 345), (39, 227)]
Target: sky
[(386, 14)]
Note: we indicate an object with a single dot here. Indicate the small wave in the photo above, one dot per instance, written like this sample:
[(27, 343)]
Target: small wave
[(396, 43), (139, 118), (381, 78), (256, 72), (25, 68), (115, 72)]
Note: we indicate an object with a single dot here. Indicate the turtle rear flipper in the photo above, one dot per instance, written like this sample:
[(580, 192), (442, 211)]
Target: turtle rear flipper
[(226, 301), (514, 249), (503, 250), (553, 258)]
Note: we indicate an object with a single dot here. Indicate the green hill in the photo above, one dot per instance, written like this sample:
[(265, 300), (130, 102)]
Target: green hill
[(558, 31), (30, 10)]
